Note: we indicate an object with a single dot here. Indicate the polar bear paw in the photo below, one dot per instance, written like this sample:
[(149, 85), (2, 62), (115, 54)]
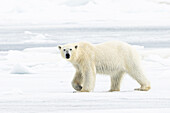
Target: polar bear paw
[(143, 88), (77, 87), (112, 90)]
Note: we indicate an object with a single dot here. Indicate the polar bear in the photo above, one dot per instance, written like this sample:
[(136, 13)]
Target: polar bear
[(113, 58)]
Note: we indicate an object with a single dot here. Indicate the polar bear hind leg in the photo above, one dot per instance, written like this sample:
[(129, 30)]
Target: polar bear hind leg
[(137, 74)]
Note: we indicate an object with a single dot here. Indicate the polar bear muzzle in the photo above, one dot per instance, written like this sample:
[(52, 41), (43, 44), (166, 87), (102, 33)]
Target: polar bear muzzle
[(67, 55)]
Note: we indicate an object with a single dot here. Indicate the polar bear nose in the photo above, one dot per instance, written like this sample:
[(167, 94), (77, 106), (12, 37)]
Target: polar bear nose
[(67, 55)]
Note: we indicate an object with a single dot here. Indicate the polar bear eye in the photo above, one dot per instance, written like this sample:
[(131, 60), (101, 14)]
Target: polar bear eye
[(64, 49), (70, 49)]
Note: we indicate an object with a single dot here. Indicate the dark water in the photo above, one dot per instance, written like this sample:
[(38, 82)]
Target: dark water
[(21, 37)]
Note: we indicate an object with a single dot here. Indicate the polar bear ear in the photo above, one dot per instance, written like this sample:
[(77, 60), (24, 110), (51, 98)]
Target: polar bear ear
[(59, 47), (76, 46)]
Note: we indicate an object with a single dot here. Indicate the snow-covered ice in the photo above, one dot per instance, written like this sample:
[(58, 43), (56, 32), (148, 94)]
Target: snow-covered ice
[(35, 79), (49, 90), (85, 12), (21, 37), (20, 69)]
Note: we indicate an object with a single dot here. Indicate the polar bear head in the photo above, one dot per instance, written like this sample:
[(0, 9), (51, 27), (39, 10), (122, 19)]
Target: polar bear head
[(68, 51)]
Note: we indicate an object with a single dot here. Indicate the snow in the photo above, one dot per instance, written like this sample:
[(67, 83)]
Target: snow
[(20, 69), (37, 38), (85, 12), (35, 79), (49, 89)]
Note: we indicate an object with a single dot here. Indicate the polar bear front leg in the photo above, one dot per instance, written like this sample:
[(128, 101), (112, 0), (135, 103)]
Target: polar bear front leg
[(116, 79), (89, 78), (77, 81)]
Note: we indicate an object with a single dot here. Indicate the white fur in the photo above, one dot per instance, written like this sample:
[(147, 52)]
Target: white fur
[(111, 58)]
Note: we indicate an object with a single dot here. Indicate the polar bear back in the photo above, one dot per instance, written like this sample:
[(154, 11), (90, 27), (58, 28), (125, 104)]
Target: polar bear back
[(115, 55)]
